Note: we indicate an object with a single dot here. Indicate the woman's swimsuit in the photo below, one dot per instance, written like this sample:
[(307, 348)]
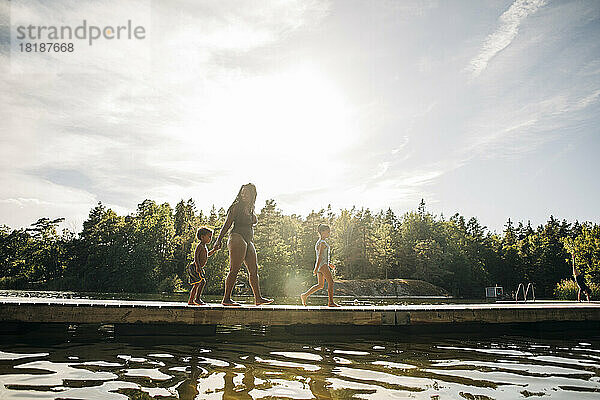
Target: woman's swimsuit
[(243, 223)]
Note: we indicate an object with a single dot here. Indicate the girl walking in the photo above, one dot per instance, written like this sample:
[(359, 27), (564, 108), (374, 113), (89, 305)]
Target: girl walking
[(322, 267)]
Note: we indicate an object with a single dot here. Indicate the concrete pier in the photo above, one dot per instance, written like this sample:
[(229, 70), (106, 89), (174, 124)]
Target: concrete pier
[(83, 311)]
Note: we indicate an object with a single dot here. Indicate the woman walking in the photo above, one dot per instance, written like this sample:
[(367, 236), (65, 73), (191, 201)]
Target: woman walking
[(240, 244)]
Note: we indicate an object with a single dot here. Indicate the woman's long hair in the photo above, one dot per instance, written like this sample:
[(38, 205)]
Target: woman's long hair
[(239, 200)]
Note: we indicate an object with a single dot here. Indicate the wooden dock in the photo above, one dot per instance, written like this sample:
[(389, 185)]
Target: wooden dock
[(82, 311)]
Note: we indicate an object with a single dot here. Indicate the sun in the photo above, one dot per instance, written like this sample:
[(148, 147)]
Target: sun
[(298, 115)]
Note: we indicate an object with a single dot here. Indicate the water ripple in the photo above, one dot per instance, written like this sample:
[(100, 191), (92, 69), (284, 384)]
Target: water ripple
[(246, 365)]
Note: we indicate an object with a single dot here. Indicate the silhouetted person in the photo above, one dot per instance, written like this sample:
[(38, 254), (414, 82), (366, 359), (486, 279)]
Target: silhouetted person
[(188, 389), (196, 269), (322, 267), (240, 244), (580, 279)]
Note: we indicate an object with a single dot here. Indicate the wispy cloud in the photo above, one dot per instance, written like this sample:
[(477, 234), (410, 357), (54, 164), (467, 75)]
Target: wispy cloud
[(505, 33), (401, 146), (519, 129), (586, 101), (21, 202)]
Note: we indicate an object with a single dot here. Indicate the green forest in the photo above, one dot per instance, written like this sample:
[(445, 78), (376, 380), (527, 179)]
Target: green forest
[(149, 249)]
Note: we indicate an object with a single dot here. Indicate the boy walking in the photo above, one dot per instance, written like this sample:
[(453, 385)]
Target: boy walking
[(196, 269)]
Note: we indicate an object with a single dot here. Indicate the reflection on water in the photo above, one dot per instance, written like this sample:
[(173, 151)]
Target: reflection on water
[(239, 363)]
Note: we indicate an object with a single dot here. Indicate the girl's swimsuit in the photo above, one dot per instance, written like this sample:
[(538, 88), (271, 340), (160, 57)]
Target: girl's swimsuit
[(243, 223), (324, 256)]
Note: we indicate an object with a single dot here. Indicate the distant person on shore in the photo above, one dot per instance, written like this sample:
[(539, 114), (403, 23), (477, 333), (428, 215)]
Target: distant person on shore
[(322, 267), (241, 244), (580, 279), (196, 268)]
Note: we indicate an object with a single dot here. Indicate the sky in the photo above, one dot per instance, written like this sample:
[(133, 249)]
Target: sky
[(483, 108)]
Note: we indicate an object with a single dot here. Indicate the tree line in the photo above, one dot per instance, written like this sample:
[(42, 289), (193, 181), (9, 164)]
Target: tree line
[(149, 249)]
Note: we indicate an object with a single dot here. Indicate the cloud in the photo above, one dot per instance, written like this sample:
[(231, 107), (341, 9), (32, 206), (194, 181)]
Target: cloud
[(167, 120), (515, 129), (24, 199), (401, 146), (551, 93), (21, 202), (586, 100), (408, 8), (296, 97), (506, 32)]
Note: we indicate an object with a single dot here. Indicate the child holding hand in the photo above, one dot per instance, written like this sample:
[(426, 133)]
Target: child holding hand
[(196, 269)]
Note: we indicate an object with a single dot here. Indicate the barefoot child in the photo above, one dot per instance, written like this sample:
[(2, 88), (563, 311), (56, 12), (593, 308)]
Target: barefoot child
[(322, 267), (196, 269)]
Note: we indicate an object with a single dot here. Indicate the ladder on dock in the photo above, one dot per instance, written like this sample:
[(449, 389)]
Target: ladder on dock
[(521, 288)]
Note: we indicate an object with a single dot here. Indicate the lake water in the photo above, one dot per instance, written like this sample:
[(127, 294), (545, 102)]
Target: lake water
[(264, 363)]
